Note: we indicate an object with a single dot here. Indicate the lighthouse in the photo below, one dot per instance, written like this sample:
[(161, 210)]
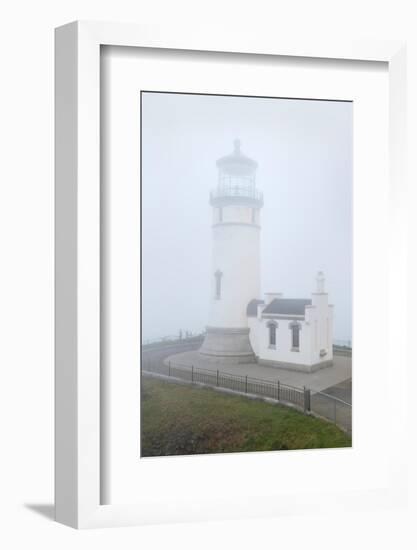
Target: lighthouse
[(235, 269)]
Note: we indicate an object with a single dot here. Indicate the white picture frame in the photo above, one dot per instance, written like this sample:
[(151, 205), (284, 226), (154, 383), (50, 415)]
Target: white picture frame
[(77, 409)]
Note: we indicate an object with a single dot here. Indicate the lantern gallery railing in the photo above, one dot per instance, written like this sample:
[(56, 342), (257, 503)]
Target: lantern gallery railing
[(225, 191)]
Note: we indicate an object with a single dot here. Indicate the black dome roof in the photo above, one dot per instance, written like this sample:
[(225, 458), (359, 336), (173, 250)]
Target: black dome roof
[(237, 163)]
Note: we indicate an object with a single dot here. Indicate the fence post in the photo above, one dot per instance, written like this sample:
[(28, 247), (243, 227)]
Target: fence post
[(169, 368), (217, 378), (278, 388), (334, 410), (308, 399), (305, 399), (192, 373), (246, 384)]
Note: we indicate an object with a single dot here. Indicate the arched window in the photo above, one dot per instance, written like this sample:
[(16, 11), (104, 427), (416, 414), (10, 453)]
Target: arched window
[(272, 334), (218, 284), (295, 336)]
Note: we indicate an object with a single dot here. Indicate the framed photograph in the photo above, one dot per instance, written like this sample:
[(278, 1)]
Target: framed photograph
[(228, 220), (279, 348)]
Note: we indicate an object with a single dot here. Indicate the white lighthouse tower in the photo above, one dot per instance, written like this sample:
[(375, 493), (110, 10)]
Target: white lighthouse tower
[(235, 274)]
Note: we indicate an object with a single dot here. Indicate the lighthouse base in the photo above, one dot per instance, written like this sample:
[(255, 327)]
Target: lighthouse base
[(227, 345)]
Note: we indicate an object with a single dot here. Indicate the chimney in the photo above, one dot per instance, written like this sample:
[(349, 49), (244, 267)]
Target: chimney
[(269, 296), (320, 283)]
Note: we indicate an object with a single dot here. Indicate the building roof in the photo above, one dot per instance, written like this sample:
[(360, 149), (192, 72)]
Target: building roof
[(287, 306), (252, 309)]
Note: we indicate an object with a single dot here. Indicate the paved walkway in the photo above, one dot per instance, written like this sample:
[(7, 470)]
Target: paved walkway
[(342, 391), (316, 381)]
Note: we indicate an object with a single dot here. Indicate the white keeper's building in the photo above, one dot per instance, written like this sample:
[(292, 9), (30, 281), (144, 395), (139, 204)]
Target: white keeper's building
[(244, 326)]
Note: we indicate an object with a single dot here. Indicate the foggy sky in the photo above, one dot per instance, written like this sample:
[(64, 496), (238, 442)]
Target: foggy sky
[(304, 155)]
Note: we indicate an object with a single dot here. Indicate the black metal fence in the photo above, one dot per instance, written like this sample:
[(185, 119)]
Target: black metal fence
[(319, 403)]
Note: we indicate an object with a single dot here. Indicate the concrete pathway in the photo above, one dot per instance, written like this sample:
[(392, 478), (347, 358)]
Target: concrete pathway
[(316, 381)]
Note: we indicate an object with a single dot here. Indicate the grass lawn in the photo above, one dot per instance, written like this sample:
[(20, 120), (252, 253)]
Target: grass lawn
[(179, 419)]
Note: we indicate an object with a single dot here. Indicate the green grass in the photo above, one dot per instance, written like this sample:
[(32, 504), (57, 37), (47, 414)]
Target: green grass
[(179, 419)]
